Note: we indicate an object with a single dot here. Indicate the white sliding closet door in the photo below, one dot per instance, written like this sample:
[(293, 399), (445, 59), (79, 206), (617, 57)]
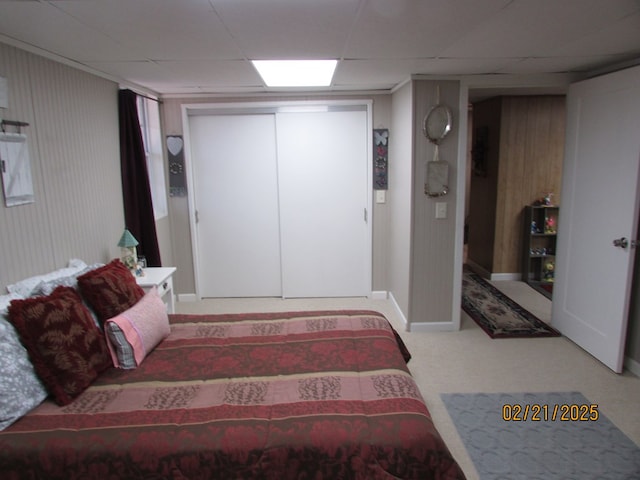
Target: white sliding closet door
[(236, 199), (322, 178)]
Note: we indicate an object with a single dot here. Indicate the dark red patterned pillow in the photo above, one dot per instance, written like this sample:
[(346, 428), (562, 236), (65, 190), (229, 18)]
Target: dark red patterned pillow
[(110, 289), (67, 350)]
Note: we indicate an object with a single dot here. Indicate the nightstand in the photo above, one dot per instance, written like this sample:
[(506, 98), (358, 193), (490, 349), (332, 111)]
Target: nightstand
[(162, 278)]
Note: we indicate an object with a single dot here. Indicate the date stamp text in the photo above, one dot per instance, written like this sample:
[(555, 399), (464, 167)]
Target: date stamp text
[(535, 412)]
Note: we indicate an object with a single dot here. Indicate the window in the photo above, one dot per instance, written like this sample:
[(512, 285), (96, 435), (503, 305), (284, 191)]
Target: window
[(149, 116)]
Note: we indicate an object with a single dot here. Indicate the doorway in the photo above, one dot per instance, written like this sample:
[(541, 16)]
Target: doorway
[(515, 156)]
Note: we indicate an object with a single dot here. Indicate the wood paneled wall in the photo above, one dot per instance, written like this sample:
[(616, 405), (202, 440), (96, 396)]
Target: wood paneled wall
[(74, 151), (526, 148), (483, 184)]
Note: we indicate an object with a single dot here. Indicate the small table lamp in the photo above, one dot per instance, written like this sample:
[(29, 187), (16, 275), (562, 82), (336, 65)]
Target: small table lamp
[(128, 254)]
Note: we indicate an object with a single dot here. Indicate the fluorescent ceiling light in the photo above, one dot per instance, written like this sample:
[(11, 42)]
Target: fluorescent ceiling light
[(296, 73)]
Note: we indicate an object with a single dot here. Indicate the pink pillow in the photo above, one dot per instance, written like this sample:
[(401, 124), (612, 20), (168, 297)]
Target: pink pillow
[(143, 326)]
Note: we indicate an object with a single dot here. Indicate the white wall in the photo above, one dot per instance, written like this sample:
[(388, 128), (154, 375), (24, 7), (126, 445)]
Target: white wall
[(423, 251), (434, 247), (400, 197)]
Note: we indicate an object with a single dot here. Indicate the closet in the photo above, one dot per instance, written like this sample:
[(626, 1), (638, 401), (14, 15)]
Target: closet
[(281, 202)]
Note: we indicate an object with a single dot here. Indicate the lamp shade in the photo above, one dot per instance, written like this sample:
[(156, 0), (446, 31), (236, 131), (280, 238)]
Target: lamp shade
[(127, 240)]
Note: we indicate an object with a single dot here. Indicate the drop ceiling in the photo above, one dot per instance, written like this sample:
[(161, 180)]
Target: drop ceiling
[(189, 47)]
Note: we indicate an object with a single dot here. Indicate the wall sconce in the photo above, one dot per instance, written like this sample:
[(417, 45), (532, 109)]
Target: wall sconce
[(128, 254)]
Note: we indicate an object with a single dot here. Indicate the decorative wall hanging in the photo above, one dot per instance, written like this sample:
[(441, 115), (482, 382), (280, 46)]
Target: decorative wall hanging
[(16, 166), (436, 125), (177, 179), (4, 93), (380, 158), (437, 182)]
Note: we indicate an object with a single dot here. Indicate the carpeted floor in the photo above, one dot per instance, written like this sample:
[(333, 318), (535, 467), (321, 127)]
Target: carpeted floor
[(497, 314), (541, 436)]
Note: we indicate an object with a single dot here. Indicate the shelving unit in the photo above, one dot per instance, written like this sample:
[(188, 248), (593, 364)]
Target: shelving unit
[(539, 247)]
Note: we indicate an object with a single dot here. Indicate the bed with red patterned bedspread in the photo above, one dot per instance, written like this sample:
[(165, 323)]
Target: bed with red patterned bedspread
[(298, 395)]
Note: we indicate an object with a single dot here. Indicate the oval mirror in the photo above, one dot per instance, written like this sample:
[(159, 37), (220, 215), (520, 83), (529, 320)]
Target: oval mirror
[(437, 123)]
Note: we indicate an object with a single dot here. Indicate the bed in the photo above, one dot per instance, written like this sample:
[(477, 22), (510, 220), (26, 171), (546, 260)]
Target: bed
[(295, 395)]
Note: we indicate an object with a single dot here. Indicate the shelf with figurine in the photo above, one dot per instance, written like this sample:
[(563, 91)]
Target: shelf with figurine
[(539, 243)]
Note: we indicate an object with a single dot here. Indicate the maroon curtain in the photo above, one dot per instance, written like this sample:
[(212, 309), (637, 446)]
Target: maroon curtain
[(136, 192)]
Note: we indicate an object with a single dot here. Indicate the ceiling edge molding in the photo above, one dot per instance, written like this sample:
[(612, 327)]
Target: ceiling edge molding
[(12, 42)]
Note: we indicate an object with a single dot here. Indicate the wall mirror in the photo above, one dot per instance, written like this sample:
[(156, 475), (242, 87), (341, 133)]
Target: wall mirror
[(437, 181), (437, 123)]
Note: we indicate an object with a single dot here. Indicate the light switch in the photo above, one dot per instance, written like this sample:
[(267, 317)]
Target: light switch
[(381, 196), (441, 209)]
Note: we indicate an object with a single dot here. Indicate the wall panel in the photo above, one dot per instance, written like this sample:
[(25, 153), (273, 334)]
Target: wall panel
[(74, 151), (400, 197), (433, 247)]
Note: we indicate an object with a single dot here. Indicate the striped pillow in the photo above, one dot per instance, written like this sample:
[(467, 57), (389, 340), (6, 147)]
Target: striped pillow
[(137, 331)]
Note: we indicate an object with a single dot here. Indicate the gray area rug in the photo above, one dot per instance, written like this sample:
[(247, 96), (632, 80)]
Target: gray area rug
[(538, 441)]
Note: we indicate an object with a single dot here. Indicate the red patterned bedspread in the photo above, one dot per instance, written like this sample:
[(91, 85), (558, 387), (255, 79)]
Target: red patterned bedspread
[(304, 395)]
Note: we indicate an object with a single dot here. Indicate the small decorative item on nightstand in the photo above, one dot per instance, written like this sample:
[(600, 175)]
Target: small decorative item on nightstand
[(128, 254)]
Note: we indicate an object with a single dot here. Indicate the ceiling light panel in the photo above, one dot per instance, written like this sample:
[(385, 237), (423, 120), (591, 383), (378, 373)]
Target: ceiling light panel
[(296, 73)]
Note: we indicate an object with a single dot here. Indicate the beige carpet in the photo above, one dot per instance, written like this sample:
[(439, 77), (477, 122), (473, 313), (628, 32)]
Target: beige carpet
[(468, 361)]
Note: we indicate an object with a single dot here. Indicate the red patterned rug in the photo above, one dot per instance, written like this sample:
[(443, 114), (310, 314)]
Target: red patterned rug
[(497, 314)]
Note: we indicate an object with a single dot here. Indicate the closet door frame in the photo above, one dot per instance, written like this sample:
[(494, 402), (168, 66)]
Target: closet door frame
[(189, 110)]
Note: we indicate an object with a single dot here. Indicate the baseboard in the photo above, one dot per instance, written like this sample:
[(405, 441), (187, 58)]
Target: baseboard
[(484, 273), (379, 295), (426, 327), (506, 276), (399, 311), (420, 326), (632, 365), (187, 297)]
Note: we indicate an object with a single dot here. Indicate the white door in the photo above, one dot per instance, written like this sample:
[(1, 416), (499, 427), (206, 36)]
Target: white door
[(236, 199), (323, 182), (599, 204)]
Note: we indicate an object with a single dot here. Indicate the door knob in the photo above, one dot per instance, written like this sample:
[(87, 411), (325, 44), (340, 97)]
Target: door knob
[(621, 242), (624, 243)]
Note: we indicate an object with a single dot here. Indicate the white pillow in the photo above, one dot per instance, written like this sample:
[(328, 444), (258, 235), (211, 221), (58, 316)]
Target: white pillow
[(5, 300), (26, 286), (20, 387)]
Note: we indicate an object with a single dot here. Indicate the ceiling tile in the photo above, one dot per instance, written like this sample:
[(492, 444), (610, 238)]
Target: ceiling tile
[(613, 38), (158, 29), (288, 29), (410, 29), (537, 28), (139, 71), (560, 64), (225, 73), (44, 26)]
